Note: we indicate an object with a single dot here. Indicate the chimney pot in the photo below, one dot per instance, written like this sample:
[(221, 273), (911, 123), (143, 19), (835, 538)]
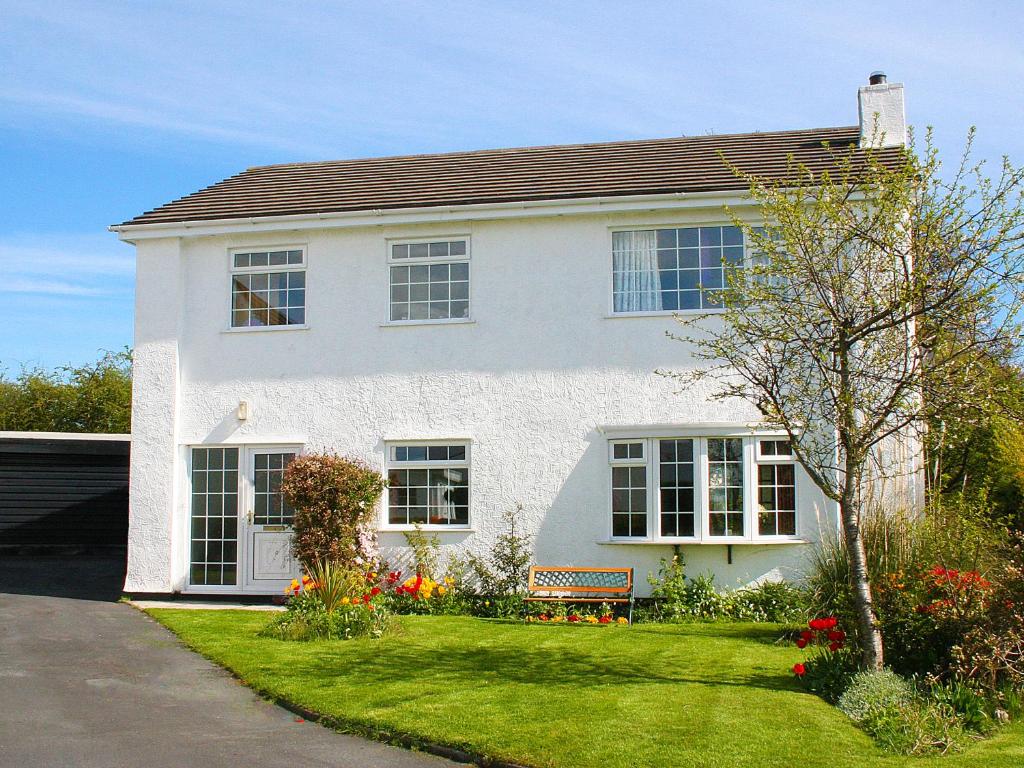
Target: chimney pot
[(876, 78)]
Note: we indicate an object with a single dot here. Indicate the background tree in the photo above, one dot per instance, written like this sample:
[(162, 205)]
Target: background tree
[(95, 397), (879, 292)]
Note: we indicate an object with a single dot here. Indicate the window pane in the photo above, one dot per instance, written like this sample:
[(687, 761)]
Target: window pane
[(268, 298), (213, 539), (725, 483), (776, 495), (675, 458)]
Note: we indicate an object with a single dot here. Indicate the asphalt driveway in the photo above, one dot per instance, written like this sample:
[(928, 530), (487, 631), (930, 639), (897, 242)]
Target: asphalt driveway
[(85, 681)]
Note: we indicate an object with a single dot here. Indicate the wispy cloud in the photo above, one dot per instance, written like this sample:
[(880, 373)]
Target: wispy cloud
[(50, 287), (82, 266)]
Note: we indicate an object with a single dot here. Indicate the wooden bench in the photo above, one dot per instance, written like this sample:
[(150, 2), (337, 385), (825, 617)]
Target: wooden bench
[(581, 585)]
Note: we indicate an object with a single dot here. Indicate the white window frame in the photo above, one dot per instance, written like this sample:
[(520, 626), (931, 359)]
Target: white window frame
[(776, 460), (303, 266), (412, 262), (389, 464), (643, 461), (655, 227), (700, 437)]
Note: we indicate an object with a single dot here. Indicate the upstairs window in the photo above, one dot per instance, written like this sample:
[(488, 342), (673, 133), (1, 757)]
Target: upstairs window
[(429, 280), (663, 270), (268, 288)]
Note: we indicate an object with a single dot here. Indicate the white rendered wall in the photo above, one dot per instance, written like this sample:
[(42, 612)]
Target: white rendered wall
[(529, 382)]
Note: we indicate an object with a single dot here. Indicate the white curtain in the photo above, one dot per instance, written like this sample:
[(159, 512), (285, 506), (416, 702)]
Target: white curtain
[(442, 498), (636, 287)]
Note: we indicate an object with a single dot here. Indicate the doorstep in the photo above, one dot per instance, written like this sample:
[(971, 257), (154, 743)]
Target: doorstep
[(201, 605)]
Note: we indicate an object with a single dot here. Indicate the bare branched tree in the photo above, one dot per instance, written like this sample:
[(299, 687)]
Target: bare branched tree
[(873, 297)]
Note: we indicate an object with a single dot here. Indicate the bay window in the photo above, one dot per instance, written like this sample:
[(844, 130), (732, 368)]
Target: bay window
[(702, 488)]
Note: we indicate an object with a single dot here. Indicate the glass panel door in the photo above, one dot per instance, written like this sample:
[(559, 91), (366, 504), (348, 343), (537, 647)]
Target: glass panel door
[(214, 532), (268, 522)]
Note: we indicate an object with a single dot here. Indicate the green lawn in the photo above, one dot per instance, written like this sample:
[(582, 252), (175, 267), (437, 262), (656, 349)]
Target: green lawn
[(648, 695)]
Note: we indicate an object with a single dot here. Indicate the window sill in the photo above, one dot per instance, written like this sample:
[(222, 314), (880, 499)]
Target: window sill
[(663, 313), (265, 328), (431, 528), (409, 323), (702, 542)]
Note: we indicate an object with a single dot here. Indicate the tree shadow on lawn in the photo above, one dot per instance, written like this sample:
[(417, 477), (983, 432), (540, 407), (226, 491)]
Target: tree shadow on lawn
[(520, 663)]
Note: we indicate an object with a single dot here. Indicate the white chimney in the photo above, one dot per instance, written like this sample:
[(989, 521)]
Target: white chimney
[(883, 122)]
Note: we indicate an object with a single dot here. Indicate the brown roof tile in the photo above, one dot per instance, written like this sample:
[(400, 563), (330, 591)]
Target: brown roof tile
[(687, 164)]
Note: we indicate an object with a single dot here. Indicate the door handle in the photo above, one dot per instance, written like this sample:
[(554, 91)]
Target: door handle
[(249, 517)]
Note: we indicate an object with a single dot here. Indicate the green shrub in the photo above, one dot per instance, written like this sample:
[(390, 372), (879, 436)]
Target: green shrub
[(871, 691), (932, 578), (675, 597), (505, 569), (334, 499), (970, 707), (889, 708), (915, 728)]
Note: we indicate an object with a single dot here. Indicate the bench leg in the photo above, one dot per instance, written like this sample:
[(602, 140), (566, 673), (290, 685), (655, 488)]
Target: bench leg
[(631, 610)]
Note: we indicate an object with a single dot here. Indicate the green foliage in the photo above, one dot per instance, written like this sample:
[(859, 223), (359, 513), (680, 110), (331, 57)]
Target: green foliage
[(915, 728), (426, 552), (307, 618), (929, 577), (333, 602), (870, 690), (905, 722), (505, 569), (969, 706), (334, 501), (95, 397), (676, 597)]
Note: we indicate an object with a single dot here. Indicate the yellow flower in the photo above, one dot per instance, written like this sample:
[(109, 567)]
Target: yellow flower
[(345, 601), (556, 618), (622, 620), (592, 619), (441, 590)]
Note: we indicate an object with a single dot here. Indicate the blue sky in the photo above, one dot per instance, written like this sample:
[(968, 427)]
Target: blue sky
[(108, 109)]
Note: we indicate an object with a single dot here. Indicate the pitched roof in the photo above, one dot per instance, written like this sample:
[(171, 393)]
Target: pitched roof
[(653, 166)]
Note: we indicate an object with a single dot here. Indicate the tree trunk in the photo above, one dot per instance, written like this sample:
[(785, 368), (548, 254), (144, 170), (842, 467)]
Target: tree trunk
[(870, 637)]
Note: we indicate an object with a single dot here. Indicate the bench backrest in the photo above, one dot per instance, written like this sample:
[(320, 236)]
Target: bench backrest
[(611, 581)]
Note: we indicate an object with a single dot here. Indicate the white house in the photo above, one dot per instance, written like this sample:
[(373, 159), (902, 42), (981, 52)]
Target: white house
[(484, 327)]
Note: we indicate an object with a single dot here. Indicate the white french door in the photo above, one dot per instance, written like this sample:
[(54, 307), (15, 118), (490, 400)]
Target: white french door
[(240, 526), (267, 563)]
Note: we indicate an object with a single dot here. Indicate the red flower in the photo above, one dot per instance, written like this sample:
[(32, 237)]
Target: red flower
[(605, 619), (837, 635), (375, 591), (799, 670), (367, 598), (814, 624), (807, 634), (543, 617), (834, 646), (801, 643), (829, 623), (573, 617)]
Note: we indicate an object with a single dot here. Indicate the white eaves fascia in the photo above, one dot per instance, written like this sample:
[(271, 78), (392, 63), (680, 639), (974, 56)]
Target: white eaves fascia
[(473, 212)]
